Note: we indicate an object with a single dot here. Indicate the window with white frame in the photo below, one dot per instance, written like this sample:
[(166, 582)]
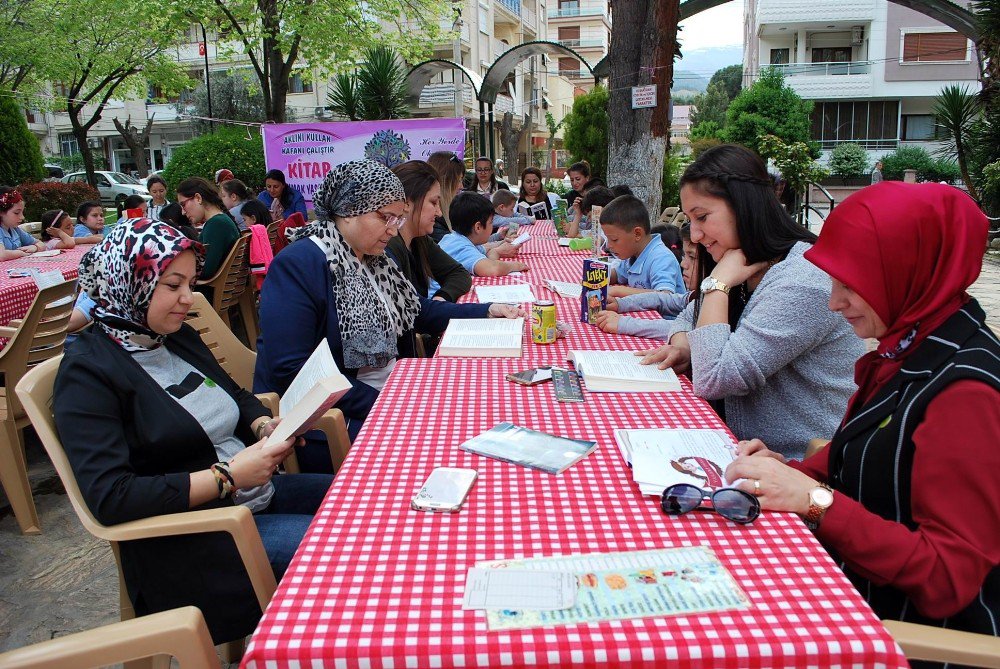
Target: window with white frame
[(68, 145)]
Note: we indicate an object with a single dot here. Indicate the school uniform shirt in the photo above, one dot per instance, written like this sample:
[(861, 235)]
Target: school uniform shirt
[(85, 305), (81, 230), (153, 210), (655, 268), (463, 251), (15, 238)]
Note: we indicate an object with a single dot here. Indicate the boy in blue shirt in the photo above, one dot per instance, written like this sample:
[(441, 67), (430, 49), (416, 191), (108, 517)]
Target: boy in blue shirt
[(646, 263), (471, 217)]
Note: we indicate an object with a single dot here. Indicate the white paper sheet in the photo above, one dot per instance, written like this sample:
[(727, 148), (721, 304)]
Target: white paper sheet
[(564, 288), (319, 365), (51, 278), (520, 239), (521, 589), (517, 293)]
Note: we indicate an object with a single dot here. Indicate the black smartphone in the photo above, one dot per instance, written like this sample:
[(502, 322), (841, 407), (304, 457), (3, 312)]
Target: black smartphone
[(531, 377)]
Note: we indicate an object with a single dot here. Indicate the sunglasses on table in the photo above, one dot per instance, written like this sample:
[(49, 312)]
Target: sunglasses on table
[(730, 503)]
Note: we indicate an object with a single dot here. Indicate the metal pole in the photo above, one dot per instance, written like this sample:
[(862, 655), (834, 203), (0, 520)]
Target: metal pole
[(482, 128), (492, 147), (208, 79), (456, 57)]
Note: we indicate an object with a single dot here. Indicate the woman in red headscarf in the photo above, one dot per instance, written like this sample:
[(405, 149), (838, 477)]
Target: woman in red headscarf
[(907, 495)]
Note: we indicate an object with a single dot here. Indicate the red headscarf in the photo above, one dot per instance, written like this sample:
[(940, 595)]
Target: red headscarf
[(910, 251)]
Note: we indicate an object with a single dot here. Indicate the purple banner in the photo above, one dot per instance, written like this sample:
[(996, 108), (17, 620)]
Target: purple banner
[(305, 152)]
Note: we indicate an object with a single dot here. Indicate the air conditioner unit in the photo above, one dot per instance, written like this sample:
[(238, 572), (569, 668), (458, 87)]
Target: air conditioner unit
[(857, 35)]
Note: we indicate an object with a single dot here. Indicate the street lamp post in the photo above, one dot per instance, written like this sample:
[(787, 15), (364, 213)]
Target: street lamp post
[(208, 78)]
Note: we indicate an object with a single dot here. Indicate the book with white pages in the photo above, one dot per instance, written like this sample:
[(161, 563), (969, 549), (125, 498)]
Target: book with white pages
[(515, 293), (482, 338), (620, 372), (521, 238), (529, 448), (660, 458), (564, 288), (51, 278), (316, 388)]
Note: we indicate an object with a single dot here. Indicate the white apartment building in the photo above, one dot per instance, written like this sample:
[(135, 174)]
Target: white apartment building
[(585, 27), (872, 67), (488, 28)]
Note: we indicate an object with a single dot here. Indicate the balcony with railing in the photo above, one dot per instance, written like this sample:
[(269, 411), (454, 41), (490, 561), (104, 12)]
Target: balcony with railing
[(596, 43), (829, 80), (530, 19), (570, 12), (511, 6)]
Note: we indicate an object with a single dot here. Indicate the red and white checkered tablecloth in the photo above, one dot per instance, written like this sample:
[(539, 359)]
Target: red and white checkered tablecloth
[(376, 584), (17, 294)]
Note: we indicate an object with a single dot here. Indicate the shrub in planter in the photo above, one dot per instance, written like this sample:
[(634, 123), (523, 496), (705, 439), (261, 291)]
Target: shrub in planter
[(942, 169), (225, 148), (907, 158), (849, 160), (40, 197)]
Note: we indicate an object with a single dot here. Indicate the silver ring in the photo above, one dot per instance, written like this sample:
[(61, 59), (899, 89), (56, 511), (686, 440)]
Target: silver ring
[(756, 487)]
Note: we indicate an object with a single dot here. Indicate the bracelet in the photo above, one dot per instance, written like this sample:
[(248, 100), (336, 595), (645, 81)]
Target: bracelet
[(224, 479), (263, 426)]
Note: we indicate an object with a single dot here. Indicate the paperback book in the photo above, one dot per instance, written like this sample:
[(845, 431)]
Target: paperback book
[(529, 448)]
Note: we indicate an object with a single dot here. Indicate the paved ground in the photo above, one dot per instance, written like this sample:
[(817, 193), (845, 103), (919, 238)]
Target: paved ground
[(64, 580)]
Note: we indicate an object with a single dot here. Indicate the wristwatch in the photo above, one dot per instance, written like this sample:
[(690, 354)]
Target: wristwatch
[(820, 499), (711, 283)]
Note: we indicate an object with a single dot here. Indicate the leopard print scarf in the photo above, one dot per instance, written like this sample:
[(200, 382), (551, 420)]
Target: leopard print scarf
[(121, 273), (372, 317)]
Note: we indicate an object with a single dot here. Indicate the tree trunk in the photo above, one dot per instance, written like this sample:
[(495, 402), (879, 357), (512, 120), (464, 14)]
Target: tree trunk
[(136, 140), (643, 41)]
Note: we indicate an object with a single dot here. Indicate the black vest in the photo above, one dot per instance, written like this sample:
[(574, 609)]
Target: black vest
[(871, 456)]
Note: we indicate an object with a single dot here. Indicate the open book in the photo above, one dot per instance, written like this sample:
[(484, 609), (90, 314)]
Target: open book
[(529, 448), (316, 388), (482, 338), (521, 238), (660, 458), (564, 288), (620, 372)]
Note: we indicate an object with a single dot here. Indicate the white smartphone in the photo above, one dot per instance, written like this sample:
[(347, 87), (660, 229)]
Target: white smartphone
[(445, 490)]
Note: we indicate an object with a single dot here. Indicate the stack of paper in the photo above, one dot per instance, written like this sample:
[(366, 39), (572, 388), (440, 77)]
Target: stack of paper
[(510, 294), (662, 458), (620, 372), (482, 338)]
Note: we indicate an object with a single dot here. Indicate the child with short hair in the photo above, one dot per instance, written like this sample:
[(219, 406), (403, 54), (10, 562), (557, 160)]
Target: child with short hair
[(646, 264), (504, 202), (57, 230), (471, 221), (89, 228), (595, 196), (668, 305)]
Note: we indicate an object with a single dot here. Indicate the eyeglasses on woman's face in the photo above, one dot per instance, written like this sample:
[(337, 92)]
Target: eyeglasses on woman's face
[(392, 221)]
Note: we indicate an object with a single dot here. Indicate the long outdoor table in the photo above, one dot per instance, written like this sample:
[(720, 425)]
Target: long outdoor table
[(17, 293), (376, 584)]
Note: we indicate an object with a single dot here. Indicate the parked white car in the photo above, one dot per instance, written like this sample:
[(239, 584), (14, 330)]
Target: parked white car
[(145, 180), (113, 186)]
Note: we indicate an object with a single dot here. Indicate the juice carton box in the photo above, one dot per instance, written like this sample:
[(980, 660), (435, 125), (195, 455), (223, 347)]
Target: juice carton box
[(594, 296)]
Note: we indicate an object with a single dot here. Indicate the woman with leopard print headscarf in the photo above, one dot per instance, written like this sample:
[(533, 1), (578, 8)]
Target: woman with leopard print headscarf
[(152, 425), (336, 282)]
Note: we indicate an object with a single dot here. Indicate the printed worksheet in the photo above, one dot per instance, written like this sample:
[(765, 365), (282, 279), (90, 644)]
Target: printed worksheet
[(525, 589), (516, 293), (636, 584)]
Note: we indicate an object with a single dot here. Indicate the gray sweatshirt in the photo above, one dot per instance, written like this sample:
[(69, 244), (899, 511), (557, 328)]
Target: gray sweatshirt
[(787, 370), (666, 304)]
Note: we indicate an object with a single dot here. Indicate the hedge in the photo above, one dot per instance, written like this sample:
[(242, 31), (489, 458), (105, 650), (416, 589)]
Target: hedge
[(225, 148), (20, 156), (40, 197)]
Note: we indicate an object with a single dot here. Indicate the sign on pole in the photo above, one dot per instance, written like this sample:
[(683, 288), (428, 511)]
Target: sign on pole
[(643, 97), (305, 152)]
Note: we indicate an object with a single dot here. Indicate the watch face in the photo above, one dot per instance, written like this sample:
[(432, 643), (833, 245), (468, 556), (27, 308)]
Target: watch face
[(821, 497), (709, 284)]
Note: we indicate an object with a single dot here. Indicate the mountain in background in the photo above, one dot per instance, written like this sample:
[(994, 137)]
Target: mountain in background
[(692, 72)]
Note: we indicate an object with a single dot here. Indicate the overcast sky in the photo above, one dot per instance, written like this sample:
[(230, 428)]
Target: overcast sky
[(719, 26)]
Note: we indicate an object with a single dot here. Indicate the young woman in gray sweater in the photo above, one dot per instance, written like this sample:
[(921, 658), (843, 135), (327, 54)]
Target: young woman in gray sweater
[(758, 338)]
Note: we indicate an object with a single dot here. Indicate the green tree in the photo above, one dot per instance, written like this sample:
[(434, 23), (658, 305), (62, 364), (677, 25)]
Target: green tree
[(586, 133), (769, 107), (957, 110), (107, 50), (24, 43), (227, 147), (550, 143), (731, 77), (711, 106), (673, 168), (343, 98), (895, 164), (795, 162), (705, 130), (233, 99), (849, 160), (278, 35), (20, 157)]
